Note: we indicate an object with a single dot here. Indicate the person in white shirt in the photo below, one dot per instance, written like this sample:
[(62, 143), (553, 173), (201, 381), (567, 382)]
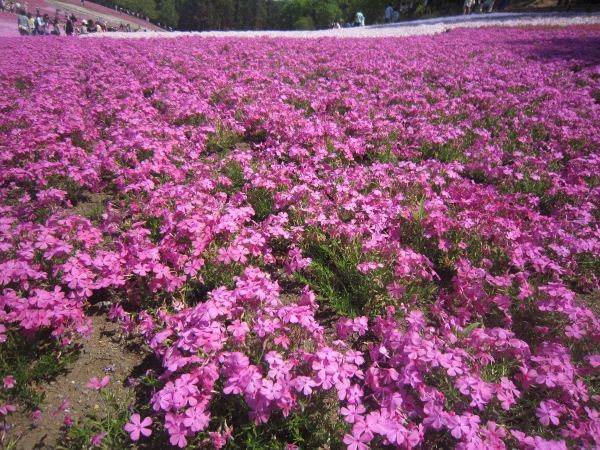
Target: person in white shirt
[(467, 7), (359, 20)]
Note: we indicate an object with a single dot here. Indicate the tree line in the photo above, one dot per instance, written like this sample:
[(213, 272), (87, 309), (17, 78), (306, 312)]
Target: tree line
[(210, 15), (205, 15), (223, 15)]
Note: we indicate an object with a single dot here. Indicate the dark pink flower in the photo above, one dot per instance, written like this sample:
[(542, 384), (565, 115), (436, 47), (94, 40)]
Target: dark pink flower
[(96, 439), (9, 382)]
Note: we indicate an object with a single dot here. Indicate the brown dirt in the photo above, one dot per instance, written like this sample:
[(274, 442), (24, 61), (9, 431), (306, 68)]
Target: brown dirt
[(106, 346), (91, 205), (592, 301)]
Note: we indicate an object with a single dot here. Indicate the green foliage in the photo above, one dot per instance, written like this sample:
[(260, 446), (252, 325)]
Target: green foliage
[(234, 172), (478, 176), (167, 13), (75, 191), (145, 7), (110, 418), (335, 277), (144, 155), (227, 14), (256, 135), (8, 125), (214, 274), (30, 362), (493, 373), (222, 140), (94, 211), (262, 201), (160, 106), (154, 224), (304, 23), (383, 152), (78, 141), (316, 425), (327, 12), (445, 153), (22, 85), (193, 120), (293, 11)]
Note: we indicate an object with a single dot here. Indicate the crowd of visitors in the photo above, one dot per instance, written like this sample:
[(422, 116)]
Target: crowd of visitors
[(43, 25), (424, 7), (11, 7), (471, 6)]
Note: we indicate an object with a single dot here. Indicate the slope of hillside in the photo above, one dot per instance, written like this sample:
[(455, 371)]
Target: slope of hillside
[(8, 21)]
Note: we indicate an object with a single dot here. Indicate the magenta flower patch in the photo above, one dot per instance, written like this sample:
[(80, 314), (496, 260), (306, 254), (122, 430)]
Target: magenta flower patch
[(403, 229)]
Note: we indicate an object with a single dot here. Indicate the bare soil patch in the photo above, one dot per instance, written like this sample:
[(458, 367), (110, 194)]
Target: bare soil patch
[(107, 352)]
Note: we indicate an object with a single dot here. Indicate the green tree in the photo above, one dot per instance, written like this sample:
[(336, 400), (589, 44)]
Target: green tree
[(272, 14), (304, 23), (167, 13), (326, 13), (144, 7), (292, 11)]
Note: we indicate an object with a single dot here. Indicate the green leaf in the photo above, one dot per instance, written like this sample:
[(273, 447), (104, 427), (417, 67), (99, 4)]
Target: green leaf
[(467, 330)]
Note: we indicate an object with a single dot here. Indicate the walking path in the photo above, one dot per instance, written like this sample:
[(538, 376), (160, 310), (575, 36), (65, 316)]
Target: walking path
[(412, 28)]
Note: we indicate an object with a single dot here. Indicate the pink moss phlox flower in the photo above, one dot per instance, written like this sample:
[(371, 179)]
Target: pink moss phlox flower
[(62, 407), (9, 382), (116, 312), (218, 440), (239, 330), (5, 409), (174, 423), (96, 439), (94, 383), (356, 440), (353, 413), (68, 421), (549, 412), (135, 427)]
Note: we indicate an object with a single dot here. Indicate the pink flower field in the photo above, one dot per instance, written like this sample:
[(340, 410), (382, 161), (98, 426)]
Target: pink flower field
[(358, 243)]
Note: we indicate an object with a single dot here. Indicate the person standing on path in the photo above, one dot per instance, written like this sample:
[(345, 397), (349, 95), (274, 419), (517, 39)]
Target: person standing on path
[(359, 20), (467, 7), (55, 28), (23, 22), (69, 28), (387, 17), (31, 24), (40, 25)]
